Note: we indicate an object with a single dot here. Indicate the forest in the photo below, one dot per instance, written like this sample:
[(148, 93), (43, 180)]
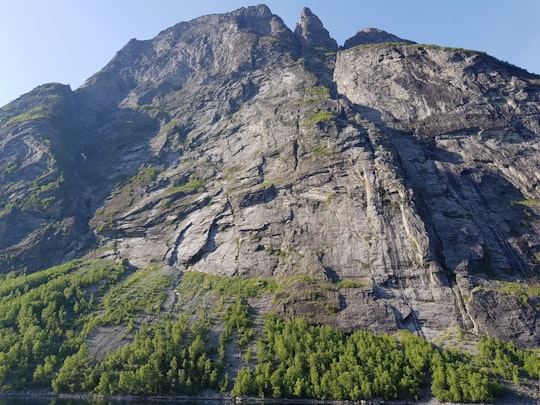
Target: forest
[(48, 316)]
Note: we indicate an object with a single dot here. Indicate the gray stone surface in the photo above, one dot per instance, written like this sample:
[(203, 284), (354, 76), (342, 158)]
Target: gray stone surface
[(410, 171), (370, 35)]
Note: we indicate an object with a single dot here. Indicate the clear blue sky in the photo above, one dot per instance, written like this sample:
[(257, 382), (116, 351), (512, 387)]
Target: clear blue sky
[(67, 41)]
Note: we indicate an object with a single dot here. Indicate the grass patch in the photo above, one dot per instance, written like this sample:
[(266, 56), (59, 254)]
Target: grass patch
[(34, 114), (143, 290), (144, 177), (527, 203), (192, 186), (44, 195), (528, 294), (421, 46), (321, 116), (148, 108), (269, 39), (524, 291), (320, 150), (8, 208), (315, 94), (11, 168), (194, 282), (167, 128), (349, 284)]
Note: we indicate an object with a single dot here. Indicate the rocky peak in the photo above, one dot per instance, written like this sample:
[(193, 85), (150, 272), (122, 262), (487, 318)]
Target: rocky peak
[(312, 34), (373, 36), (258, 19), (259, 10)]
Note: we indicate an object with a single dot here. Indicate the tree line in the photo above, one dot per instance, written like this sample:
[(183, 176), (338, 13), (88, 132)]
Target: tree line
[(46, 319), (298, 360)]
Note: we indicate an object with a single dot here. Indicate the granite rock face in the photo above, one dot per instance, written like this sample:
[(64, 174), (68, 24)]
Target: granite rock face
[(406, 177), (312, 34), (368, 36)]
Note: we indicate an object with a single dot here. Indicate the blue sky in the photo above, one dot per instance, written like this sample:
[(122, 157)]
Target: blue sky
[(67, 41)]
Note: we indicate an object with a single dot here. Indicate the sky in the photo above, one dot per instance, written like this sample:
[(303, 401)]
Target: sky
[(67, 41)]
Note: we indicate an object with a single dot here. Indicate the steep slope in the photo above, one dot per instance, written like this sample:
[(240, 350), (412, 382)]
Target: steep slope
[(463, 127), (397, 182), (42, 219)]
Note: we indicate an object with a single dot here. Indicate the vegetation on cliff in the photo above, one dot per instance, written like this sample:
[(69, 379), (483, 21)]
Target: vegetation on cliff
[(267, 198), (49, 316)]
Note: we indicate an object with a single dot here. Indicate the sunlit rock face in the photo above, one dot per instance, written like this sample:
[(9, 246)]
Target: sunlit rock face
[(401, 179)]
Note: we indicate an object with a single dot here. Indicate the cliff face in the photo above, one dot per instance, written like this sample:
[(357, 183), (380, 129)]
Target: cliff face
[(402, 179)]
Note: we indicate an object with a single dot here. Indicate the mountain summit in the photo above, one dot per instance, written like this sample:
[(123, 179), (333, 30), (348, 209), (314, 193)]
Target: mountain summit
[(373, 36), (386, 185), (312, 33)]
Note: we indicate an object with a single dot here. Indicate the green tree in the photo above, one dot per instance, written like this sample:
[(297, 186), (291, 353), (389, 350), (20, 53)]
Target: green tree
[(243, 385), (73, 372)]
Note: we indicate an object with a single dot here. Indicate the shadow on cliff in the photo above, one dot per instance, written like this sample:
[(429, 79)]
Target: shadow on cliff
[(466, 209)]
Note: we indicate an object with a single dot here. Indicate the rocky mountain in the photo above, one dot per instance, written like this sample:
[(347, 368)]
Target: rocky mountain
[(392, 185)]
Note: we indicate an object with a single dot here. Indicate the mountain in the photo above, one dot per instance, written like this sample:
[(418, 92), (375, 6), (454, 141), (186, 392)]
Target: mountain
[(383, 185), (368, 36)]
